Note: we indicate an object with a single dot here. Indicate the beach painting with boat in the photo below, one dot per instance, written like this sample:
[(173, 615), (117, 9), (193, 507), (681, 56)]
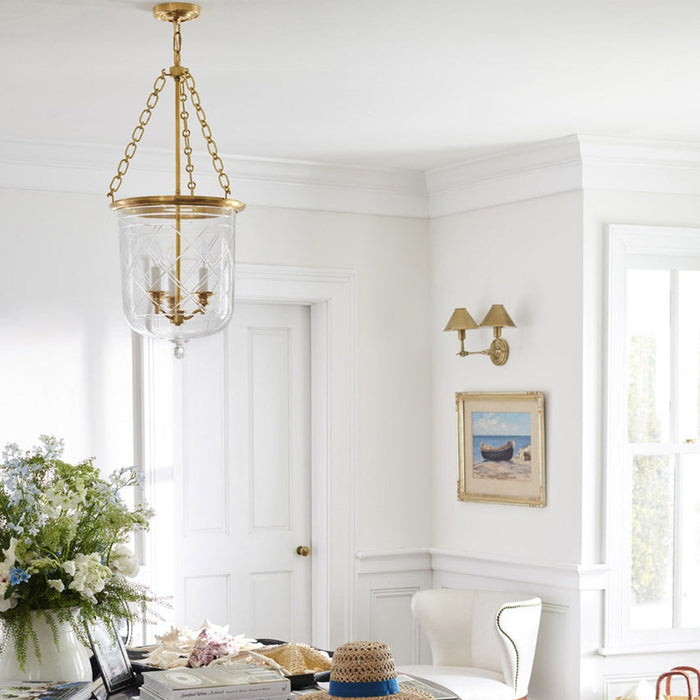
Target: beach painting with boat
[(501, 449), (501, 445)]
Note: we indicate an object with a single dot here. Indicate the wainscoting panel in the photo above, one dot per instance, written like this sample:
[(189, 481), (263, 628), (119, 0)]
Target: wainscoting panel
[(391, 620), (386, 582), (618, 685)]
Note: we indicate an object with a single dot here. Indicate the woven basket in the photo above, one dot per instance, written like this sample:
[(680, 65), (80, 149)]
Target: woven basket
[(682, 672)]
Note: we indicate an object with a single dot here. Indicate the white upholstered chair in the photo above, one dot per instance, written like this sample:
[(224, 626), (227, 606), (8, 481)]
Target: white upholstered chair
[(482, 642)]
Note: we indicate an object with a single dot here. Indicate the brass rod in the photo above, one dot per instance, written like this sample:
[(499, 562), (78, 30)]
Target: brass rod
[(178, 219)]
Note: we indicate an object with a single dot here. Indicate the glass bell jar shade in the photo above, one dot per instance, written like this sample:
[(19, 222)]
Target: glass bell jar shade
[(177, 265)]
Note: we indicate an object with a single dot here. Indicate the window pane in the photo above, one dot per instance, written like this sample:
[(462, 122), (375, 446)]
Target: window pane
[(689, 355), (648, 355), (652, 542), (690, 541)]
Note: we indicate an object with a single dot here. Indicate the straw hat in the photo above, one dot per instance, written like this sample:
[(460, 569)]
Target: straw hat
[(365, 670)]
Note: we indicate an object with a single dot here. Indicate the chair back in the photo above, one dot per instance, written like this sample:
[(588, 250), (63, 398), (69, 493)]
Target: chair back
[(462, 627), (445, 615)]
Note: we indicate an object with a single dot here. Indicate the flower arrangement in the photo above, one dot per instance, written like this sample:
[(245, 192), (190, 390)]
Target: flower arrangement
[(63, 534)]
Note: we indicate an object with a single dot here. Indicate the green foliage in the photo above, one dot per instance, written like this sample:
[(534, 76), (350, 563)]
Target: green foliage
[(643, 425), (63, 534), (652, 528), (652, 480)]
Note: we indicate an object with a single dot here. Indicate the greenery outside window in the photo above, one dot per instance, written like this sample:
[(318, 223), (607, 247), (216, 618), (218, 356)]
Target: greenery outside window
[(653, 443)]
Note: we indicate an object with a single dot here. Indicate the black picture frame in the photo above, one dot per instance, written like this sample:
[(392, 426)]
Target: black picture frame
[(111, 656)]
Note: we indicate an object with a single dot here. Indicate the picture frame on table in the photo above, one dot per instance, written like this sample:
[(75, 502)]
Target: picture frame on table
[(111, 656), (501, 447)]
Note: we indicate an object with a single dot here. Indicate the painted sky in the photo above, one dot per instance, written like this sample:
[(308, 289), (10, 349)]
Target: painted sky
[(500, 423)]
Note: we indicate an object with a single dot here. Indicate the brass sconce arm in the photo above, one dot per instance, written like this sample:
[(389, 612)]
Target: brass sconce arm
[(497, 317)]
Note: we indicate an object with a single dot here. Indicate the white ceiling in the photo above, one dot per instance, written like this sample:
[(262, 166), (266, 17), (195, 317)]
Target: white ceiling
[(388, 83)]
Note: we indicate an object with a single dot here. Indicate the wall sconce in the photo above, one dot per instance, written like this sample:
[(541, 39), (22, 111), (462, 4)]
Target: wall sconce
[(497, 317)]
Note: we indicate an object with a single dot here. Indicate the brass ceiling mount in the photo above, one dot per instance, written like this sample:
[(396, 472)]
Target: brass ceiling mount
[(176, 11)]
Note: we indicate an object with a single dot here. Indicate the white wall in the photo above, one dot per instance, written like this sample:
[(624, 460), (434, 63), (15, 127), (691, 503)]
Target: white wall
[(527, 256), (65, 355), (390, 256)]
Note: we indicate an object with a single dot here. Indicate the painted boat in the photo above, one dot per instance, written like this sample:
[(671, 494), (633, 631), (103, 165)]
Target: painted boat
[(498, 454)]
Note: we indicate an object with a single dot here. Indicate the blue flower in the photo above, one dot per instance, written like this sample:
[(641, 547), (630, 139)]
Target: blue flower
[(18, 576)]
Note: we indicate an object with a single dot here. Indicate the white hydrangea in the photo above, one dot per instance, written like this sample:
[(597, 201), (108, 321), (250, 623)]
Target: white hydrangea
[(5, 567), (123, 561), (88, 573), (56, 503)]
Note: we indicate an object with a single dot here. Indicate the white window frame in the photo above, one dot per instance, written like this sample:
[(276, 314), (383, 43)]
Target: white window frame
[(632, 247)]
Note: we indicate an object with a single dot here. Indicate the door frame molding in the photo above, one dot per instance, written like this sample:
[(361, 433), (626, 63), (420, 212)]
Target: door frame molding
[(331, 297)]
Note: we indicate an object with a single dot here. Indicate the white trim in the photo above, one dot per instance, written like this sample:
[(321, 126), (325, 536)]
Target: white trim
[(89, 168), (640, 166), (576, 162), (515, 174), (636, 649), (593, 577), (394, 561)]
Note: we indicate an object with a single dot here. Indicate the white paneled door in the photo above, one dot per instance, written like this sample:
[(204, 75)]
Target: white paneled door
[(242, 483)]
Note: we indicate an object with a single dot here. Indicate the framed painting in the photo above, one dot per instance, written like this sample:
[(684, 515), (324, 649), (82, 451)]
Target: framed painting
[(501, 448)]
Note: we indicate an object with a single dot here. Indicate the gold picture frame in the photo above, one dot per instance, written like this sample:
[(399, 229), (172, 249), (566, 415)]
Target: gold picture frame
[(501, 447)]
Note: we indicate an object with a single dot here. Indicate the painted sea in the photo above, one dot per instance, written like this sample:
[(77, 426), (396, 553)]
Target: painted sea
[(496, 441)]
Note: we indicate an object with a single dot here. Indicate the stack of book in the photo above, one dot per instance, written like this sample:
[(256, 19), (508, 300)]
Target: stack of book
[(232, 682), (43, 690)]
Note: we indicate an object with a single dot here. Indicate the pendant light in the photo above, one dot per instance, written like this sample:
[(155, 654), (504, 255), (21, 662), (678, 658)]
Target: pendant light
[(177, 250)]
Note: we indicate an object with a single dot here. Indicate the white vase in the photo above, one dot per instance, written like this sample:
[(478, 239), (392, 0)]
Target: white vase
[(70, 661)]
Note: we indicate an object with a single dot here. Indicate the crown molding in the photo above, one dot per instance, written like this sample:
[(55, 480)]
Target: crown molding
[(512, 175), (570, 163), (664, 167), (89, 168)]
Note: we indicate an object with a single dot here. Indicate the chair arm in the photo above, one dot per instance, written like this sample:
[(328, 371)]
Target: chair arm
[(517, 624)]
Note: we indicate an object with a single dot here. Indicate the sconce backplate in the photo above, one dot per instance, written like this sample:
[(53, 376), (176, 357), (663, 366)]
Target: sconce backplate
[(499, 351)]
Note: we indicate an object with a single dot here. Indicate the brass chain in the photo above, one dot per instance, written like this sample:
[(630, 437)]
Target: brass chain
[(177, 42), (136, 135), (184, 116), (218, 164)]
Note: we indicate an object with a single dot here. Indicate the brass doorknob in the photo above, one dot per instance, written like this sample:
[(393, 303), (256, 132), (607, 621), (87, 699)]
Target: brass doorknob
[(303, 550)]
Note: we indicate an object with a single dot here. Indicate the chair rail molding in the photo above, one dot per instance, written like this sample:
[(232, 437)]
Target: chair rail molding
[(393, 561), (591, 577)]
